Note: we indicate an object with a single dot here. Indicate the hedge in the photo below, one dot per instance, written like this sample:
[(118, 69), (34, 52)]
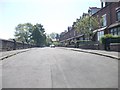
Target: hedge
[(108, 38)]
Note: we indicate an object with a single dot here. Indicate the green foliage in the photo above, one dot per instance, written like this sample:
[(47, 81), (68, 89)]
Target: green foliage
[(23, 32), (108, 36), (103, 38), (85, 25), (38, 35), (56, 43), (48, 41), (34, 34), (113, 39), (54, 35)]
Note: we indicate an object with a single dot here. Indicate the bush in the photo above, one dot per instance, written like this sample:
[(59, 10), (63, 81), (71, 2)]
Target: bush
[(56, 43), (113, 39)]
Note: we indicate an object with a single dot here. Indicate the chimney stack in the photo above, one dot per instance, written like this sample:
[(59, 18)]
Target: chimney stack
[(101, 4)]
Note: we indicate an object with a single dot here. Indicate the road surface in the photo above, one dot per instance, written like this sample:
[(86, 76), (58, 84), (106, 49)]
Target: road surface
[(59, 68)]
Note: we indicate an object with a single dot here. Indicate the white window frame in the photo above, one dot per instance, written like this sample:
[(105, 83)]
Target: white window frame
[(118, 17), (100, 34), (104, 20)]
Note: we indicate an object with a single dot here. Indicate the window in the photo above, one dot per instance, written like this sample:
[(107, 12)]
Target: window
[(100, 34), (112, 31), (118, 16), (104, 20), (118, 13), (118, 31), (115, 31)]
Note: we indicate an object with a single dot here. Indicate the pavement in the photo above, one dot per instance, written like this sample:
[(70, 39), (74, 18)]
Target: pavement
[(59, 68), (111, 54), (7, 54)]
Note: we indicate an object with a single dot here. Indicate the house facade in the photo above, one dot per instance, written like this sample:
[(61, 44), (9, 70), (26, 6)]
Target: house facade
[(109, 20), (109, 23)]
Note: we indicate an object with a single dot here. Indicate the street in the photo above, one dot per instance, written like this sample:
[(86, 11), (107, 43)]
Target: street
[(59, 68)]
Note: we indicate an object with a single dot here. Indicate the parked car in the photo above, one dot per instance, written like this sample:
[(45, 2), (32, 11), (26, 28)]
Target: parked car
[(52, 46)]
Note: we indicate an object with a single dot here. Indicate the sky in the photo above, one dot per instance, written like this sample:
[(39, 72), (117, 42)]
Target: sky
[(54, 15)]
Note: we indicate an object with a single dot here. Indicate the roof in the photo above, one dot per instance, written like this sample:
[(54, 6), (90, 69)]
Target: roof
[(94, 8), (100, 29), (114, 25)]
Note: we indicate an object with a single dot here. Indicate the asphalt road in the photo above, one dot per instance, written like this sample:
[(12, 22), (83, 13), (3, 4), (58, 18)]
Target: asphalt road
[(59, 68)]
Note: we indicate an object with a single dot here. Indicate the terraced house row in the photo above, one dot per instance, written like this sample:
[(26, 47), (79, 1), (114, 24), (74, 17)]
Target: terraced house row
[(110, 14)]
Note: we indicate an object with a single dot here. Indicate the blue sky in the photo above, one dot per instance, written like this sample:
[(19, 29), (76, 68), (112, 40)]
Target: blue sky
[(54, 15)]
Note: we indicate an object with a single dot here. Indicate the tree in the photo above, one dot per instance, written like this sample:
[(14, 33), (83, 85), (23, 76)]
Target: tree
[(86, 24), (31, 34), (38, 35), (23, 32), (53, 35), (48, 40), (52, 39)]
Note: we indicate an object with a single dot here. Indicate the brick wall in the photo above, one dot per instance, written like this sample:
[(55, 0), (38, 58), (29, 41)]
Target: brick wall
[(7, 45), (110, 11)]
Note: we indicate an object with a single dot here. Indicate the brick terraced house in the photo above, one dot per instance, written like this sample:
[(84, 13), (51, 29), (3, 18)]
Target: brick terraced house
[(109, 23), (110, 17)]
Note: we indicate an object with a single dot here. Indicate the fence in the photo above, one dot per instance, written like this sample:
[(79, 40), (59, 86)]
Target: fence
[(7, 45)]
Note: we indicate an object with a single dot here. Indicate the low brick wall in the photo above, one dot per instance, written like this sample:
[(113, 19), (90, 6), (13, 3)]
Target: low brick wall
[(8, 45), (98, 46), (89, 46), (115, 47)]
